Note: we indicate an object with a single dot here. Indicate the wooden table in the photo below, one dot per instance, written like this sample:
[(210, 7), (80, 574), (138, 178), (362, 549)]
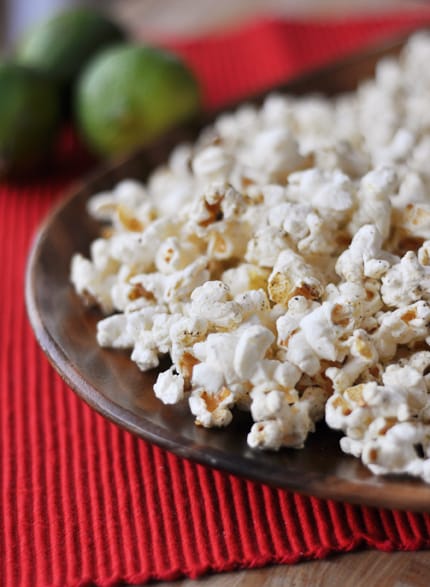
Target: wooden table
[(368, 568), (358, 569)]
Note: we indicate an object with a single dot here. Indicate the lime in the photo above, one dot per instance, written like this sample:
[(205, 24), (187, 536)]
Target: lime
[(61, 45), (128, 95), (29, 117)]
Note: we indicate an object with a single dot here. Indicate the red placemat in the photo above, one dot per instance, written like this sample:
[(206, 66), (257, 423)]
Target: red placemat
[(85, 503)]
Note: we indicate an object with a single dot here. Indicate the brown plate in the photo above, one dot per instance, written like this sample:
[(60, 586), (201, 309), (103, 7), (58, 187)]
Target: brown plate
[(109, 382)]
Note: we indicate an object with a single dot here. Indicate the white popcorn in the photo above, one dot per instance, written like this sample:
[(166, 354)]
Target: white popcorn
[(364, 257), (324, 190), (401, 327), (275, 153), (290, 336), (277, 111), (175, 254), (265, 246), (251, 349), (128, 194), (406, 282), (344, 157), (244, 278), (283, 263), (255, 303), (273, 374), (323, 330), (227, 241), (212, 301), (412, 190), (211, 409), (207, 377), (185, 330), (282, 423), (94, 286), (212, 163), (292, 276), (362, 354), (374, 193), (145, 355), (169, 387), (314, 119), (381, 421), (123, 330), (175, 286), (414, 219), (219, 349), (291, 217)]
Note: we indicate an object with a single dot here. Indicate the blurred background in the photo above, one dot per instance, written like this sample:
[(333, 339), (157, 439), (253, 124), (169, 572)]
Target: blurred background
[(146, 18)]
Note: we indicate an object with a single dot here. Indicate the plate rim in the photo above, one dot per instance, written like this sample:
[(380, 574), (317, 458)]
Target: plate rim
[(346, 491)]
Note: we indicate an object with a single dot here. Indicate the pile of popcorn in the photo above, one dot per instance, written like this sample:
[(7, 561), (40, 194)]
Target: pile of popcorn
[(283, 262)]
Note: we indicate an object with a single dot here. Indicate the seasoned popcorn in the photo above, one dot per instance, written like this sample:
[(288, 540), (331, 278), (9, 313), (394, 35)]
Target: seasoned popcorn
[(283, 263)]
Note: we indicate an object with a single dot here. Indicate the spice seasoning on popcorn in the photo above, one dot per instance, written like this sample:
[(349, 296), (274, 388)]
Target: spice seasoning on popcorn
[(283, 262)]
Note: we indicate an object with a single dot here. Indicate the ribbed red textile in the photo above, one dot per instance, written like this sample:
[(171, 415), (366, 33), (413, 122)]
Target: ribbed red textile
[(86, 503)]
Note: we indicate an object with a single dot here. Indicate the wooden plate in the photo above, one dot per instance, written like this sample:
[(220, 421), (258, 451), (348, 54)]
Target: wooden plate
[(109, 382)]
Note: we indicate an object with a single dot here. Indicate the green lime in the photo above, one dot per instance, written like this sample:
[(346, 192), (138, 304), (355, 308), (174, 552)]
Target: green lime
[(128, 95), (29, 117), (61, 45)]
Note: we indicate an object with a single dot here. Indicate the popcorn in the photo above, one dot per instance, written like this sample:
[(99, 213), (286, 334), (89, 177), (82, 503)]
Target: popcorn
[(322, 189), (245, 278), (123, 330), (275, 153), (212, 163), (414, 219), (401, 327), (174, 255), (212, 301), (374, 193), (169, 387), (265, 246), (406, 282), (282, 262), (291, 276), (290, 337), (382, 421), (364, 257), (284, 424), (211, 409), (251, 349), (94, 286)]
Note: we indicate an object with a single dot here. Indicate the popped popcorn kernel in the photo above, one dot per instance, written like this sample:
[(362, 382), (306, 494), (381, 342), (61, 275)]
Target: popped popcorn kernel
[(283, 263)]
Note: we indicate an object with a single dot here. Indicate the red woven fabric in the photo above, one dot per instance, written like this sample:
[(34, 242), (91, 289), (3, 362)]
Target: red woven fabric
[(85, 503)]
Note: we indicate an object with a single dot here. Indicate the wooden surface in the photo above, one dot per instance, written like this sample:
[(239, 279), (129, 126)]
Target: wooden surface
[(366, 568), (359, 569)]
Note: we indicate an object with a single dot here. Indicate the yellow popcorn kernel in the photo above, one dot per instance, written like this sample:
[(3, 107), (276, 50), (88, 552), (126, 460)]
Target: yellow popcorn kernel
[(128, 220), (389, 423), (218, 244), (363, 349), (138, 291), (258, 278), (416, 215), (281, 289), (340, 403), (286, 340), (355, 394), (214, 213), (409, 315), (372, 455), (340, 315), (186, 364), (213, 400)]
